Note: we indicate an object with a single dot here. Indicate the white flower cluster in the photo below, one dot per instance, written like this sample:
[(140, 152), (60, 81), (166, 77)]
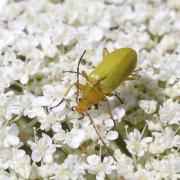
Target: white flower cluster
[(40, 45)]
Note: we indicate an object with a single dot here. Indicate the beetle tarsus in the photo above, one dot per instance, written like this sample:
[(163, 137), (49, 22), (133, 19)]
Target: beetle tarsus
[(98, 134)]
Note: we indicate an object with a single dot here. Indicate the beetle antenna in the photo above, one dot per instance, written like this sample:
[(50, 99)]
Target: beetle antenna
[(109, 150), (72, 72), (57, 104), (137, 70), (77, 98)]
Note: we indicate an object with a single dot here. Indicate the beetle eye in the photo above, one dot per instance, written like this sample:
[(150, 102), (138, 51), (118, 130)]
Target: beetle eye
[(73, 108)]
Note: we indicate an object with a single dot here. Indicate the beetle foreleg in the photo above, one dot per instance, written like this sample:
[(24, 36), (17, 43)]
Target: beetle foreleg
[(98, 81), (133, 77), (109, 108), (105, 52), (84, 74), (78, 85)]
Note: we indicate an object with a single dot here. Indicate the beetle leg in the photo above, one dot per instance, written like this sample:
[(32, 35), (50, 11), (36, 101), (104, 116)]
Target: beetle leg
[(133, 77), (105, 52), (78, 85), (137, 70), (109, 108), (84, 74), (112, 94), (98, 81), (101, 138)]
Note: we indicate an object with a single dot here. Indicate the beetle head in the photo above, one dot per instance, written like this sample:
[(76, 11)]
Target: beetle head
[(83, 106)]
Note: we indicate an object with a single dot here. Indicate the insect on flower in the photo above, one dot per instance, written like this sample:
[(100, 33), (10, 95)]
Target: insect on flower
[(115, 68)]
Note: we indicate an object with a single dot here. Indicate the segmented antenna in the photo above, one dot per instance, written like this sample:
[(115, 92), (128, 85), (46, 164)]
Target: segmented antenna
[(81, 58)]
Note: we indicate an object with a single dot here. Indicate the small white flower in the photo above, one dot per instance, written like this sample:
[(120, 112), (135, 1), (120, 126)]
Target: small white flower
[(168, 43), (3, 102), (71, 168), (174, 4), (167, 168), (143, 174), (47, 170), (109, 124), (118, 113), (31, 107), (4, 82), (173, 91), (160, 18), (136, 144), (3, 4), (124, 165), (6, 157), (167, 68), (43, 149), (95, 34), (154, 125), (148, 78), (164, 140), (112, 135), (95, 166), (47, 122), (149, 107), (8, 175), (75, 165), (60, 134), (49, 49), (21, 163), (169, 112), (22, 71), (9, 136), (75, 138)]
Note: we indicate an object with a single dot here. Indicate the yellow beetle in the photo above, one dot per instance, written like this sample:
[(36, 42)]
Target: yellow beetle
[(115, 68)]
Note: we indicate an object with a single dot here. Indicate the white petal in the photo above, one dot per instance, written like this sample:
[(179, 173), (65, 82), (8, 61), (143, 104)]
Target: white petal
[(100, 176), (24, 79), (118, 112), (75, 138), (95, 34), (11, 140), (147, 139), (35, 157), (112, 135), (44, 100), (109, 124), (93, 159)]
